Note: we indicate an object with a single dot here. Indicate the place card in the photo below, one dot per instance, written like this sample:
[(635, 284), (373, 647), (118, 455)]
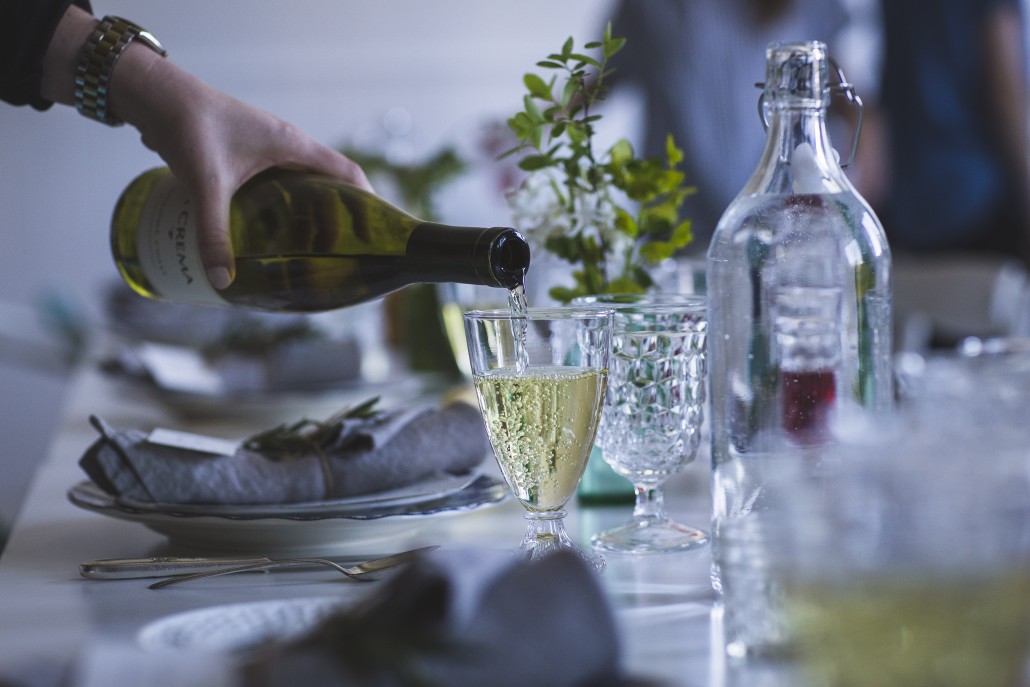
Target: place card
[(188, 441), (180, 369)]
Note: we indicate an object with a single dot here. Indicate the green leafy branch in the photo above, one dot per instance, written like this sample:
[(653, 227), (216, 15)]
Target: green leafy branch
[(290, 441), (556, 137), (417, 183)]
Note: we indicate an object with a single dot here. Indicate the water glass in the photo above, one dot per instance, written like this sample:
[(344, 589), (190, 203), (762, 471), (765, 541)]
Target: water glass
[(455, 300), (926, 539), (900, 555), (653, 411)]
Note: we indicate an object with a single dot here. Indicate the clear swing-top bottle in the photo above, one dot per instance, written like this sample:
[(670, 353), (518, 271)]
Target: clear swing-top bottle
[(799, 289)]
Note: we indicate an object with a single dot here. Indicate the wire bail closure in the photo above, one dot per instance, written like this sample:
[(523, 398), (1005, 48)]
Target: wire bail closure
[(842, 87)]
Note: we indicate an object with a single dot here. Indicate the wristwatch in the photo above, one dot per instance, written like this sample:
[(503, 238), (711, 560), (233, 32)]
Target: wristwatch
[(96, 61)]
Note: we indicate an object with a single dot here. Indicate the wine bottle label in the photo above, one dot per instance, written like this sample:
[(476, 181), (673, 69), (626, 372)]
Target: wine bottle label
[(167, 246)]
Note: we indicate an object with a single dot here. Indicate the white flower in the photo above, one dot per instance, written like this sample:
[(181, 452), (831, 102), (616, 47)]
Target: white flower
[(539, 212), (596, 210)]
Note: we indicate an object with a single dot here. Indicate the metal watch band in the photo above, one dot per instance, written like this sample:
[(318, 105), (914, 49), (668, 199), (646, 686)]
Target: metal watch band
[(96, 61)]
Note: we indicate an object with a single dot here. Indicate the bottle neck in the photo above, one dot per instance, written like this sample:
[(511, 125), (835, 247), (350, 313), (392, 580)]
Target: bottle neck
[(798, 158), (495, 256)]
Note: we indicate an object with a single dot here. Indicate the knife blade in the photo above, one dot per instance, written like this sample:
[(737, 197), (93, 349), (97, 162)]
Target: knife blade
[(159, 566)]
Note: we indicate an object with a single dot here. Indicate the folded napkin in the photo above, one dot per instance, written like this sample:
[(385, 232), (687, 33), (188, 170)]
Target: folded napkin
[(462, 618), (315, 364), (365, 455)]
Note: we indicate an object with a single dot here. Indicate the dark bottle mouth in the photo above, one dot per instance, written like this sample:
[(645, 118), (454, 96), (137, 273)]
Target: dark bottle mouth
[(495, 256), (509, 258)]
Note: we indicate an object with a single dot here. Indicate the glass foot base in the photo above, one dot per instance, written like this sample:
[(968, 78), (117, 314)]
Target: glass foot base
[(546, 536), (646, 536)]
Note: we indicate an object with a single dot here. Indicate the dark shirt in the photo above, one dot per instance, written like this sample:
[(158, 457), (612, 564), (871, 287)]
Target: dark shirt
[(32, 24), (949, 180)]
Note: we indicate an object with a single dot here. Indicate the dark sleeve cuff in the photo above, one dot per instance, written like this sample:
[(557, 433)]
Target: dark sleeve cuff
[(22, 51)]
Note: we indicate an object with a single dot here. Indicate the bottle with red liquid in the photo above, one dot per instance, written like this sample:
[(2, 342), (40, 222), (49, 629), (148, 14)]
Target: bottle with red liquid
[(799, 290)]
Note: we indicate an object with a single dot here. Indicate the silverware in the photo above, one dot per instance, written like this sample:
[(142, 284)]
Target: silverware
[(364, 572), (161, 566), (178, 567)]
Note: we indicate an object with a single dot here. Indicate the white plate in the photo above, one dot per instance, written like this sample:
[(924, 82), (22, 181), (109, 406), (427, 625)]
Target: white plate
[(233, 628), (430, 489), (293, 529)]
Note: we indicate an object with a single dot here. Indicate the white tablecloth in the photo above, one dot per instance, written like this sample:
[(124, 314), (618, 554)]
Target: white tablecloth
[(51, 618)]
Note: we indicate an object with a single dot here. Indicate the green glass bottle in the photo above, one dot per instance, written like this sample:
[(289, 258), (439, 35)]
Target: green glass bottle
[(302, 242)]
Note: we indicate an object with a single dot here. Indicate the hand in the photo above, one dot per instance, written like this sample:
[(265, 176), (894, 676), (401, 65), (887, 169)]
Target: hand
[(213, 144)]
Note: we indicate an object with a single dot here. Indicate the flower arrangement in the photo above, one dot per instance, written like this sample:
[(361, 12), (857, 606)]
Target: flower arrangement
[(610, 214)]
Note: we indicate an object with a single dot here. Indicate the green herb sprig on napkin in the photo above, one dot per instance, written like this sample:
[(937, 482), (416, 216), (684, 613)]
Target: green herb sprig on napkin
[(290, 441)]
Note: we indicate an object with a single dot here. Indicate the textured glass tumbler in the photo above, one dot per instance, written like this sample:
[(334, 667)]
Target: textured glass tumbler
[(651, 422)]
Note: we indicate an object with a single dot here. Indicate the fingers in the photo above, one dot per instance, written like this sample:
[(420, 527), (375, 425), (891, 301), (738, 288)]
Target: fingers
[(319, 158), (213, 202), (356, 175), (235, 144), (214, 143)]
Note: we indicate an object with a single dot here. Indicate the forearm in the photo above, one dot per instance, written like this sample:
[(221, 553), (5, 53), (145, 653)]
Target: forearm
[(32, 25), (1009, 95), (1009, 103), (58, 84)]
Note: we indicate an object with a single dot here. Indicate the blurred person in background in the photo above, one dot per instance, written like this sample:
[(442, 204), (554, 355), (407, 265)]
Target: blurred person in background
[(695, 65), (211, 142), (954, 100)]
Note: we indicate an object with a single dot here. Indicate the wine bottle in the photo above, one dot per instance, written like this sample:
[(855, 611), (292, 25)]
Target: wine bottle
[(302, 242)]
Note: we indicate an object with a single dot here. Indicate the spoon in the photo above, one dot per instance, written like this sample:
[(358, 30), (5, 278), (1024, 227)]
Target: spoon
[(364, 572)]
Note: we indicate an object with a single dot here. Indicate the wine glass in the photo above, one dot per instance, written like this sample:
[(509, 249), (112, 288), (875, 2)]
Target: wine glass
[(455, 300), (540, 378), (651, 421)]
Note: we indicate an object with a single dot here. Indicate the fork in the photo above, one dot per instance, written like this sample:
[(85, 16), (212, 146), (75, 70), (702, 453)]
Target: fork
[(363, 572)]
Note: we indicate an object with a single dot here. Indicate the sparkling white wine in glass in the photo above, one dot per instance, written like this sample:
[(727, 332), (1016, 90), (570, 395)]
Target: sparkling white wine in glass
[(536, 423), (540, 378)]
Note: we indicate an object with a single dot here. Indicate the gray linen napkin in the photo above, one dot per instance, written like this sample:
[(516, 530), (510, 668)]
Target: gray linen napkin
[(393, 450), (464, 618)]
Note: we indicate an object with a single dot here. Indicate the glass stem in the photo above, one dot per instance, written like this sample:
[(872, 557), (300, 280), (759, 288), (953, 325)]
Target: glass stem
[(546, 525), (650, 503), (545, 534)]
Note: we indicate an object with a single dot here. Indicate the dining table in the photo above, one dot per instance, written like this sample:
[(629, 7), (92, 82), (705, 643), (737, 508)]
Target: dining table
[(52, 619)]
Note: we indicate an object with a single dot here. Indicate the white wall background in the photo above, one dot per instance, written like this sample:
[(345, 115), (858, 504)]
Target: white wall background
[(334, 67)]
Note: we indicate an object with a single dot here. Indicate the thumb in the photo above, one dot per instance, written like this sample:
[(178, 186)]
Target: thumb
[(213, 235)]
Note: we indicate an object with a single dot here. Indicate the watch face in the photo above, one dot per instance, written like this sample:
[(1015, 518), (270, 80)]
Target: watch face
[(151, 41), (122, 25)]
